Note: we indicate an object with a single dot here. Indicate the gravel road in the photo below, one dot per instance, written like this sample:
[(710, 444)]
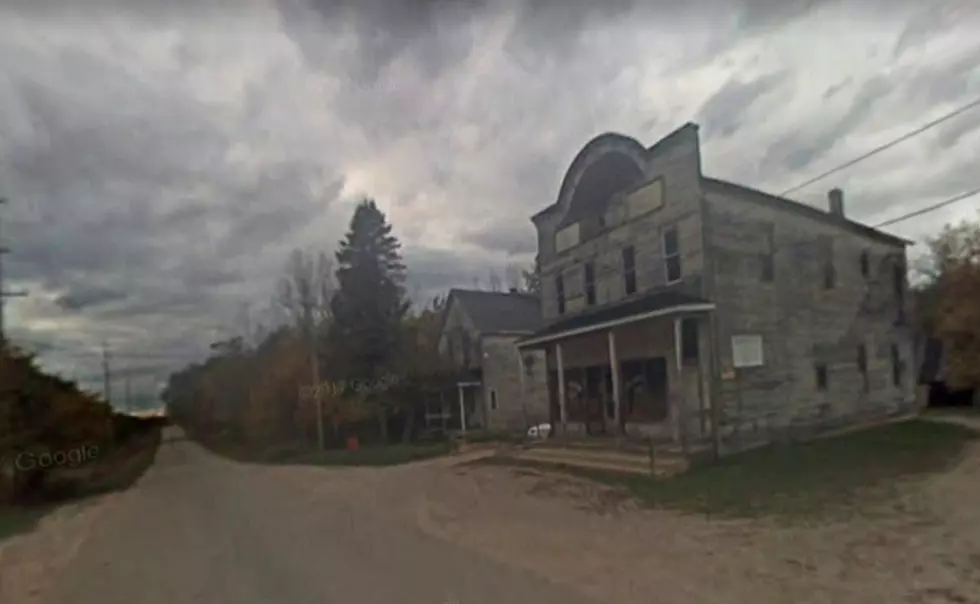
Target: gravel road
[(198, 528)]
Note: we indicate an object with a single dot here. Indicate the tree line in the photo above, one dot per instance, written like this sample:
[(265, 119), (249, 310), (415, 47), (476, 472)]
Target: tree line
[(351, 337)]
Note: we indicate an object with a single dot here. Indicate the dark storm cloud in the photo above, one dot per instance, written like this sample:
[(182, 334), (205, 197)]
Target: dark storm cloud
[(514, 236), (726, 110), (88, 296), (804, 147)]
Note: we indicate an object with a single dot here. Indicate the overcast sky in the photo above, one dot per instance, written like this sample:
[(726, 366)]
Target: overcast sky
[(162, 162)]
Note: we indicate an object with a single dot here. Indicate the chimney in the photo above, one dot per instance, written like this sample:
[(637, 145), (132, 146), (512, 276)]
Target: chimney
[(835, 198)]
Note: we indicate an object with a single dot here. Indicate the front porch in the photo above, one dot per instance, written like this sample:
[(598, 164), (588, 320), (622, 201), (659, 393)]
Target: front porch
[(631, 371)]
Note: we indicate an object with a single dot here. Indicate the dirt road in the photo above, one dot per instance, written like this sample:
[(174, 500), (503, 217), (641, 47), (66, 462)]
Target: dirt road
[(197, 528)]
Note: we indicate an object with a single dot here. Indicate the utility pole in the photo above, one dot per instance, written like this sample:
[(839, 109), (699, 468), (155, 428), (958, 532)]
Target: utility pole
[(106, 381), (3, 293), (105, 373), (129, 404), (315, 371)]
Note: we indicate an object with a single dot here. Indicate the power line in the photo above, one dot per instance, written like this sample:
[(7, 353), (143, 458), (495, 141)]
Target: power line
[(886, 146), (928, 209)]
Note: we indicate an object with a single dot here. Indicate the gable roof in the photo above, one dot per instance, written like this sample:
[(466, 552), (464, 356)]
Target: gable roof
[(781, 203), (499, 312)]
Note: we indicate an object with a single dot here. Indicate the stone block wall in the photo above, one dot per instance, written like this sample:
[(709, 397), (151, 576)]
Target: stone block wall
[(802, 323), (679, 165), (517, 406)]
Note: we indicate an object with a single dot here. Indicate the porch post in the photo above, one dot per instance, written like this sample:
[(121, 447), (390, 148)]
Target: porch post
[(561, 388), (676, 409), (614, 369), (520, 370), (462, 410)]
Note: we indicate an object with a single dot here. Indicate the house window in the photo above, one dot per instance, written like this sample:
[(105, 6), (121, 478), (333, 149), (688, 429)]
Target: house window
[(689, 339), (767, 258), (897, 368), (629, 269), (898, 278), (865, 264), (560, 290), (589, 283), (822, 379), (493, 400), (829, 272), (672, 255), (466, 346), (862, 363)]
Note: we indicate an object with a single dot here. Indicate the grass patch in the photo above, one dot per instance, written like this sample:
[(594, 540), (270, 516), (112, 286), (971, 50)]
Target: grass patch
[(387, 455), (15, 519), (837, 475)]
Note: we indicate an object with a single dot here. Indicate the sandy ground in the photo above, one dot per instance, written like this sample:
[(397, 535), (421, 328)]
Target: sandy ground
[(922, 547), (456, 533)]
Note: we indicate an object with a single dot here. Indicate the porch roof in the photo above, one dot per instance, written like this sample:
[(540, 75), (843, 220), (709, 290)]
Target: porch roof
[(657, 304)]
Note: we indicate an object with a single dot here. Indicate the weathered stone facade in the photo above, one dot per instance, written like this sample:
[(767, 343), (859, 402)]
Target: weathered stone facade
[(811, 329), (824, 294), (521, 402), (679, 165), (505, 400)]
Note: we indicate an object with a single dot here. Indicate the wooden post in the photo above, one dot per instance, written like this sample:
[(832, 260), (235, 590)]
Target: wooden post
[(520, 370), (561, 390), (652, 452), (462, 411), (614, 368)]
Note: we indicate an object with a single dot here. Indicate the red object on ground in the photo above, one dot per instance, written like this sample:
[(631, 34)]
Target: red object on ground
[(352, 443)]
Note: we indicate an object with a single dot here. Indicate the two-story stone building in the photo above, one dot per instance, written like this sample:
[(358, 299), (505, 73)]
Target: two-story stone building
[(497, 390), (674, 302)]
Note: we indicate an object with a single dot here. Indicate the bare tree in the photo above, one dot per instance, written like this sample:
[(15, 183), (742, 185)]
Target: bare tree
[(513, 276), (304, 293), (494, 280)]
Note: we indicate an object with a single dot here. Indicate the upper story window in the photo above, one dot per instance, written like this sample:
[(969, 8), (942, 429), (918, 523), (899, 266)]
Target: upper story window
[(589, 270), (768, 257), (629, 269), (567, 238), (829, 271), (466, 347), (865, 264), (862, 363), (560, 293), (898, 367), (672, 255), (898, 284)]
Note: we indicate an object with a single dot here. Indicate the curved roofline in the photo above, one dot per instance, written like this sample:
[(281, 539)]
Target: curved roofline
[(630, 144)]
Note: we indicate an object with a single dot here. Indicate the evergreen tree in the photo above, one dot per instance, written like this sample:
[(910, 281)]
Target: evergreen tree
[(370, 301)]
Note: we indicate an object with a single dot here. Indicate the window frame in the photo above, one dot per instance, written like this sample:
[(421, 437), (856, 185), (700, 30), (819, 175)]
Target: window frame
[(675, 256), (560, 293), (588, 280), (767, 270), (629, 272), (821, 376)]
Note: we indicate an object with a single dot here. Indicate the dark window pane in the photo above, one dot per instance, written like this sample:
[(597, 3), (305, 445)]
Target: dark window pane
[(670, 242), (673, 268)]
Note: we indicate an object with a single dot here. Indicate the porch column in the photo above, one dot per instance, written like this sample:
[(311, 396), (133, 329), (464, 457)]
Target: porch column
[(462, 410), (520, 371), (561, 388), (676, 408), (614, 369)]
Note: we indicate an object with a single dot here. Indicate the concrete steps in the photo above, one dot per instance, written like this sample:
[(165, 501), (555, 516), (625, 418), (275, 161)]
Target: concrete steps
[(602, 459)]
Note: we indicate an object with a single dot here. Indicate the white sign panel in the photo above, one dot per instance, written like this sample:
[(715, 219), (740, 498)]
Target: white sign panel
[(747, 351)]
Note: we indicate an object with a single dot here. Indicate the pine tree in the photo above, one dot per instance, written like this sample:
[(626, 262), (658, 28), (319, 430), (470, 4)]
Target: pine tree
[(370, 302)]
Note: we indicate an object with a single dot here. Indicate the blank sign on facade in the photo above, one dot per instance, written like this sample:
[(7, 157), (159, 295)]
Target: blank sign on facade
[(747, 351)]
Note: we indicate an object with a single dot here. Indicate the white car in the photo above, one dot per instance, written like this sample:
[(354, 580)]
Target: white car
[(539, 431)]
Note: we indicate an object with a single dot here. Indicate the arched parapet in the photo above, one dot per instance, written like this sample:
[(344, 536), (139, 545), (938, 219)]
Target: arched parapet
[(607, 164)]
